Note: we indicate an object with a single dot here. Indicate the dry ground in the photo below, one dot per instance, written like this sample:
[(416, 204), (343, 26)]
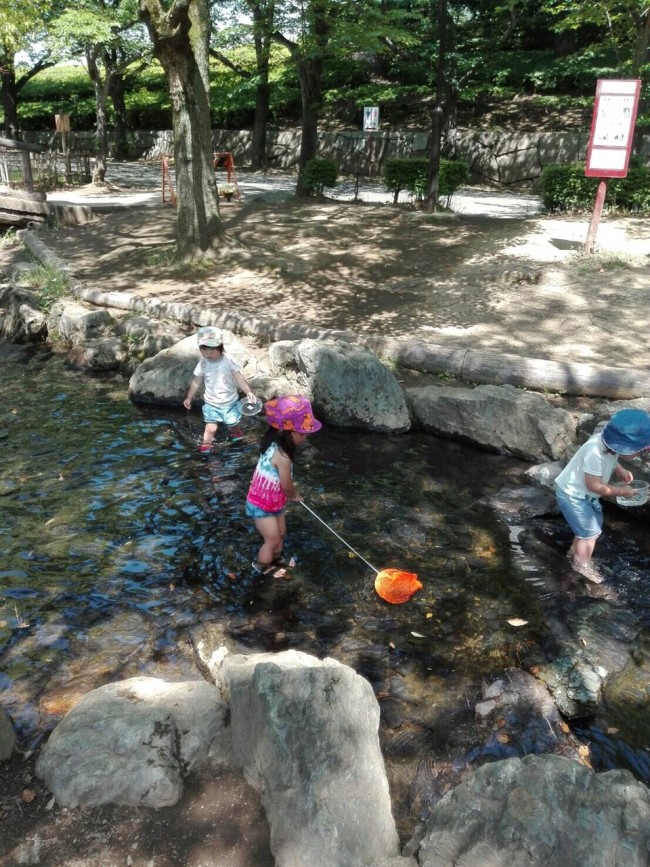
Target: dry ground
[(520, 286)]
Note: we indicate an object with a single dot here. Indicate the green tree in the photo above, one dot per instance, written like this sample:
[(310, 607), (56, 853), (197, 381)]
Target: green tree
[(23, 28), (261, 15), (105, 33), (180, 32), (317, 35), (624, 24)]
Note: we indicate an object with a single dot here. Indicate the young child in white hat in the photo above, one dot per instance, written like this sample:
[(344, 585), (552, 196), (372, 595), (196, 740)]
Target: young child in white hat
[(222, 383)]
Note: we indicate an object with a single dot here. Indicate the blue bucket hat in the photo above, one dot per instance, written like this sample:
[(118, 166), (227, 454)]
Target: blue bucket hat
[(627, 432)]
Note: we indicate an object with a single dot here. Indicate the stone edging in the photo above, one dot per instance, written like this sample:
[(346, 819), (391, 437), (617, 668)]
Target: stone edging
[(466, 365)]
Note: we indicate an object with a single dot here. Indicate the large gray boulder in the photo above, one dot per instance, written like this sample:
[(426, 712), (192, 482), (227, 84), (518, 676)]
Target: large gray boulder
[(540, 810), (495, 417), (134, 742), (164, 378), (347, 384), (306, 734), (75, 323)]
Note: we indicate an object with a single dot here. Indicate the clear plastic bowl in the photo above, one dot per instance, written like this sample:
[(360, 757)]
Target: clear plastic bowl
[(250, 407), (639, 499)]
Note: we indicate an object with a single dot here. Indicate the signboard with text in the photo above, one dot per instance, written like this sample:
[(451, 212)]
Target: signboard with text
[(371, 118), (612, 127)]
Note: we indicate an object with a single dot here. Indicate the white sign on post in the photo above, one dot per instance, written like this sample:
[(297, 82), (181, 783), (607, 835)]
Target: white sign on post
[(371, 118), (612, 127)]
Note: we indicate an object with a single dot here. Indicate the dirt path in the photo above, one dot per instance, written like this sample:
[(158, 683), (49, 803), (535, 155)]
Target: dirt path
[(518, 286)]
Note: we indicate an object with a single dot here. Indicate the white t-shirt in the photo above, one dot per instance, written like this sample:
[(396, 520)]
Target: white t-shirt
[(592, 458), (219, 385)]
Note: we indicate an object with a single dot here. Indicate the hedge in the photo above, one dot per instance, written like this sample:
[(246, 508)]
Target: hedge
[(412, 174), (565, 188)]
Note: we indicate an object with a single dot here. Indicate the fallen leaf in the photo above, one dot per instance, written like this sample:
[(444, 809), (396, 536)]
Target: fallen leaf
[(28, 796), (612, 730), (428, 615), (500, 723), (50, 804), (565, 728), (280, 573), (583, 751), (503, 737), (391, 645), (292, 562), (381, 695), (232, 576), (517, 621), (583, 642), (417, 635)]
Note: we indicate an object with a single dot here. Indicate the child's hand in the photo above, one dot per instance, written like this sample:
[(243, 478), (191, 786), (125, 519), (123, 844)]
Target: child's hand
[(625, 476), (627, 491), (187, 403)]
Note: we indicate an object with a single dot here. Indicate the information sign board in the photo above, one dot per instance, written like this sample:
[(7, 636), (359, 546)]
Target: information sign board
[(612, 127), (371, 118)]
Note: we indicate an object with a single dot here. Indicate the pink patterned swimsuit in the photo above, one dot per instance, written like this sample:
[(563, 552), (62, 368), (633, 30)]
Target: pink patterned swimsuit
[(265, 490)]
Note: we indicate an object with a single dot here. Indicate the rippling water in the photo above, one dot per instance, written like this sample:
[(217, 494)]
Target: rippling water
[(116, 538)]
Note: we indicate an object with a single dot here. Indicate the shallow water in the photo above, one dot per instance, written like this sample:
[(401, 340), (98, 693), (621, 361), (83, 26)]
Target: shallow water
[(117, 539)]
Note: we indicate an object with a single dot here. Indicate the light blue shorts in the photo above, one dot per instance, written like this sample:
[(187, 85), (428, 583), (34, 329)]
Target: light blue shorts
[(255, 512), (585, 517), (225, 414)]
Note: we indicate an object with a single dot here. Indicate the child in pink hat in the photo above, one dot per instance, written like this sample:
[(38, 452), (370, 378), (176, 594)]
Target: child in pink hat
[(291, 420)]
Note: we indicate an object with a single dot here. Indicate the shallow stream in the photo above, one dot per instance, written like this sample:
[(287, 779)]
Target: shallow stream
[(118, 540)]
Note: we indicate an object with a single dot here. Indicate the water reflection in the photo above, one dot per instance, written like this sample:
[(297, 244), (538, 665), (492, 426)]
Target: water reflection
[(117, 537)]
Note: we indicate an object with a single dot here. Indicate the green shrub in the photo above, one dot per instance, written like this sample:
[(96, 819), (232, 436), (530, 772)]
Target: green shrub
[(565, 188), (412, 175), (319, 173)]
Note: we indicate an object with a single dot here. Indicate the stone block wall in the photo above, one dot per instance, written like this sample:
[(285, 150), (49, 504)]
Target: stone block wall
[(494, 156)]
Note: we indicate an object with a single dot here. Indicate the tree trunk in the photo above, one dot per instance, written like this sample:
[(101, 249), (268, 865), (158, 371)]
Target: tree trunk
[(263, 17), (310, 77), (9, 99), (101, 88), (260, 124), (180, 38), (116, 94)]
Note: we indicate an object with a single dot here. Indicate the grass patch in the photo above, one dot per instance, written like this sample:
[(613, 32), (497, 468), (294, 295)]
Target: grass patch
[(611, 260), (48, 284), (167, 263)]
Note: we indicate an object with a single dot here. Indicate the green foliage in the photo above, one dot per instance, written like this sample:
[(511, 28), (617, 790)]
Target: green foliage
[(48, 284), (565, 188), (318, 174), (412, 174)]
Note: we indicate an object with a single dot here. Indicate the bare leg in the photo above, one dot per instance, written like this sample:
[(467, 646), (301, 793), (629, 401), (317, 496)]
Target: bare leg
[(583, 549), (272, 531), (209, 433)]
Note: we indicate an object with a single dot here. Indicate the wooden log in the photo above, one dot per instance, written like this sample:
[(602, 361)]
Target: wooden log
[(565, 377), (14, 144)]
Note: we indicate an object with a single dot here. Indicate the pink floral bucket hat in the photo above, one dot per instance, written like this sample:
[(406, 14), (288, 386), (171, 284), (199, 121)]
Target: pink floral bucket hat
[(292, 412)]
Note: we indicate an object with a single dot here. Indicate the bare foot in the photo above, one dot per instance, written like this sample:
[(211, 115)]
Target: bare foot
[(587, 569)]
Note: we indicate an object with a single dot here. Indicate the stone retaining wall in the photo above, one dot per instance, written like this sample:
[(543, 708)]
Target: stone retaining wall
[(494, 156)]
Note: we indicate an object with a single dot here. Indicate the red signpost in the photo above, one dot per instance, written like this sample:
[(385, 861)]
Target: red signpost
[(610, 142)]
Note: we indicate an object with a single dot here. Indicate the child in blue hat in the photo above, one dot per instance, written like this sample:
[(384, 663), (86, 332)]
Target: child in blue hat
[(586, 478)]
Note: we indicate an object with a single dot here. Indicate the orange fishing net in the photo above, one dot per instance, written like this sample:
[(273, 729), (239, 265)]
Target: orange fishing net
[(396, 586)]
